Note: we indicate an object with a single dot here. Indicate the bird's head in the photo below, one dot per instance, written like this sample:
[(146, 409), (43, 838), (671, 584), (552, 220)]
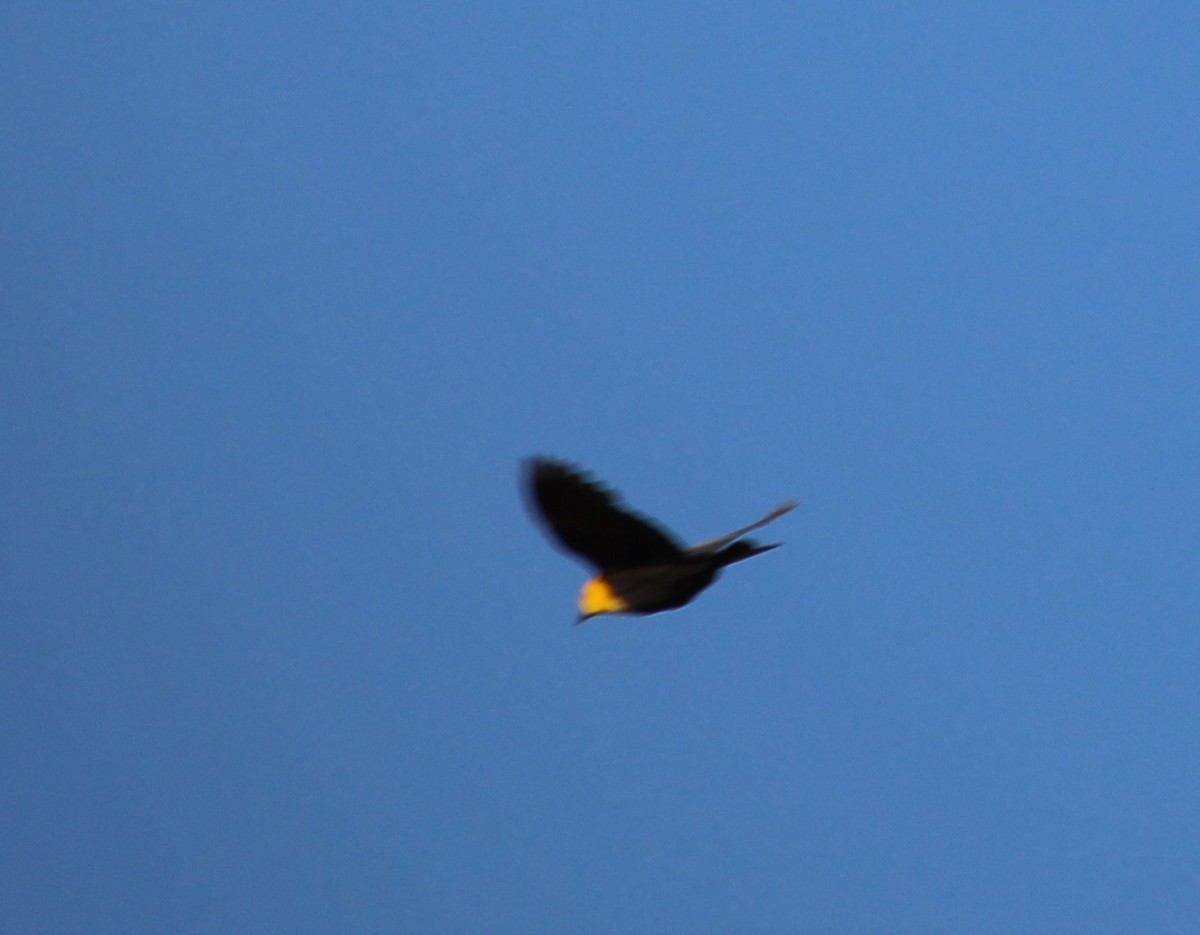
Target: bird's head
[(598, 597)]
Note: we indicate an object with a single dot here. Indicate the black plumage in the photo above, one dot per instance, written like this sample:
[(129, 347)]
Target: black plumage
[(643, 568)]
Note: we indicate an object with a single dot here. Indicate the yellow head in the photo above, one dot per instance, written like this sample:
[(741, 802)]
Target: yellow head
[(598, 597)]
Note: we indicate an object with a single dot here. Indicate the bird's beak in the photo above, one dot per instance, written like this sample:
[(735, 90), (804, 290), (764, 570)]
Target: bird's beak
[(582, 618)]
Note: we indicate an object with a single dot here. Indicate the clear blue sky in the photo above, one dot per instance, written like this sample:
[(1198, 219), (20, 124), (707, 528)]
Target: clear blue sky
[(288, 289)]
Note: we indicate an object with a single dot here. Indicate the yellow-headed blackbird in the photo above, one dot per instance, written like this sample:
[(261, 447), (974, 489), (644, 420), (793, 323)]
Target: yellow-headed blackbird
[(642, 568)]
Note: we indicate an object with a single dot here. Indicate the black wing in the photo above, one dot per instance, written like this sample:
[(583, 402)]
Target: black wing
[(587, 520)]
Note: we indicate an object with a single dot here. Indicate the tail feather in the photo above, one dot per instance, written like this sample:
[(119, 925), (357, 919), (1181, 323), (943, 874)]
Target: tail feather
[(743, 549), (717, 546)]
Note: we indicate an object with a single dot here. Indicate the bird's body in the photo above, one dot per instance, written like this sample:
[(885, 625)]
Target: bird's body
[(643, 569)]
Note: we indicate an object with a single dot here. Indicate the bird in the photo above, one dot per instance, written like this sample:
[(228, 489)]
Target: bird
[(642, 567)]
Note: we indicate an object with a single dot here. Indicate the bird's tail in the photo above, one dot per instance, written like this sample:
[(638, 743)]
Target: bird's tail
[(743, 548)]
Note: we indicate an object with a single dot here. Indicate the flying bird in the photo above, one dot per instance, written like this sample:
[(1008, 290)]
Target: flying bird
[(642, 568)]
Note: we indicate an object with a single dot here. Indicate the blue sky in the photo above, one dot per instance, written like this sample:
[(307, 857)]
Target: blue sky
[(290, 289)]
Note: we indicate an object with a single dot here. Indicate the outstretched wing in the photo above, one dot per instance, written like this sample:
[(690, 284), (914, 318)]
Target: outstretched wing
[(587, 519), (715, 545)]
